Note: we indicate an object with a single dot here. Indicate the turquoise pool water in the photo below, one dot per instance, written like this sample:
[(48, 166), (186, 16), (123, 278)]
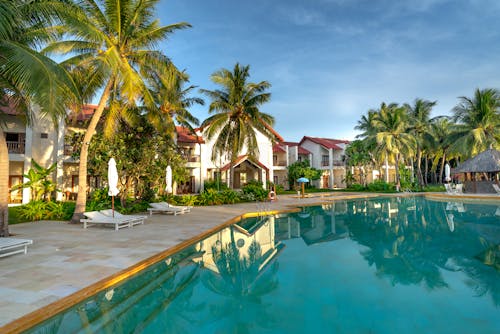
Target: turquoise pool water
[(391, 265)]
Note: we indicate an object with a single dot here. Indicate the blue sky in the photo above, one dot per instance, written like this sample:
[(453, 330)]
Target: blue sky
[(330, 61)]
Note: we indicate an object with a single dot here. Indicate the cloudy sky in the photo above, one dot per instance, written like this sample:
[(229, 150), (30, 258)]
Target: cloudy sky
[(330, 61)]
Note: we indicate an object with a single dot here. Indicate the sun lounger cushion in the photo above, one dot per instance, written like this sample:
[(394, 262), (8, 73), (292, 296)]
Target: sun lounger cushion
[(97, 218), (165, 208), (11, 246)]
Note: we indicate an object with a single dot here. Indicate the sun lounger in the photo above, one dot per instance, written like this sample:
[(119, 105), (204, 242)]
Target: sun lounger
[(136, 219), (164, 207), (459, 188), (183, 207), (449, 189), (497, 188), (11, 246), (97, 218)]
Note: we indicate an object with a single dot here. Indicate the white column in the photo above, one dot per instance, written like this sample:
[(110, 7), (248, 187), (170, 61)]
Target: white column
[(287, 157), (202, 170), (28, 155), (330, 166), (60, 161)]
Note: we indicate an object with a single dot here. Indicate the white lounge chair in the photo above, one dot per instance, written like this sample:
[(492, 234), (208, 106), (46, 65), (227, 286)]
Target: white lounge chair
[(11, 246), (186, 208), (459, 188), (449, 189), (164, 207), (97, 218), (136, 219), (497, 188)]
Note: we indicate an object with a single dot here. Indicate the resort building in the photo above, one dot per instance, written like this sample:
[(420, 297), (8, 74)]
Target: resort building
[(47, 145)]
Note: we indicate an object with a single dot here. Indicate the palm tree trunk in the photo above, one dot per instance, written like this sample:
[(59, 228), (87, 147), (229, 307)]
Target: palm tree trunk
[(441, 169), (81, 199), (398, 181), (4, 186), (419, 168), (426, 170)]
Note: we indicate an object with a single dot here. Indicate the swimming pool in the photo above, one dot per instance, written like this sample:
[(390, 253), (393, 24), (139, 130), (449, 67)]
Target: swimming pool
[(385, 265)]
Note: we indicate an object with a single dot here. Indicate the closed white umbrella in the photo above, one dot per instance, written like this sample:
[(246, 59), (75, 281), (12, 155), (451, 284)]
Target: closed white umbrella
[(112, 182), (168, 179), (447, 173)]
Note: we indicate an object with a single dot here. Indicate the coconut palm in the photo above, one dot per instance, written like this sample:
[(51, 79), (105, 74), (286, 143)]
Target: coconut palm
[(393, 139), (478, 122), (236, 114), (440, 138), (112, 46), (27, 78), (419, 116), (173, 101)]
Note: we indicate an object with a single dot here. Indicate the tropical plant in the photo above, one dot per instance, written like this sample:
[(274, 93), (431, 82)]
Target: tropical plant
[(39, 181), (27, 78), (302, 169), (112, 50), (419, 124), (392, 136), (236, 115), (478, 120)]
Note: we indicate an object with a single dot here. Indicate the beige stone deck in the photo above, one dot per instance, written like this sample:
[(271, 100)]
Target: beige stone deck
[(65, 258)]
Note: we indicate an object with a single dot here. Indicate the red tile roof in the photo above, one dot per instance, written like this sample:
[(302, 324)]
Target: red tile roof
[(326, 142), (303, 151), (278, 149), (241, 159), (184, 135)]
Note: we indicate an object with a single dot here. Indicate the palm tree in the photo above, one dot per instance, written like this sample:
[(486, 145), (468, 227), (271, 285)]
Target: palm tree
[(236, 114), (440, 138), (113, 49), (27, 78), (419, 116), (479, 122), (392, 136), (173, 101)]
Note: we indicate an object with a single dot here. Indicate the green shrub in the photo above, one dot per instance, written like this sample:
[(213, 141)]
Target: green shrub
[(209, 197), (229, 196), (356, 187), (216, 185), (35, 210), (99, 200), (254, 189), (381, 186)]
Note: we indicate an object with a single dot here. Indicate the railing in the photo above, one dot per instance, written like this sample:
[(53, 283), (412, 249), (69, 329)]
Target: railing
[(192, 158), (325, 163), (279, 163), (16, 147), (68, 149)]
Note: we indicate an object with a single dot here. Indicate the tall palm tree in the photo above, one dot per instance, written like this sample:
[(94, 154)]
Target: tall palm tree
[(419, 116), (27, 78), (392, 136), (440, 138), (113, 47), (479, 122), (173, 100), (236, 114)]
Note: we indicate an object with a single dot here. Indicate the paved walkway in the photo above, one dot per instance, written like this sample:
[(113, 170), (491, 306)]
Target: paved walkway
[(65, 258)]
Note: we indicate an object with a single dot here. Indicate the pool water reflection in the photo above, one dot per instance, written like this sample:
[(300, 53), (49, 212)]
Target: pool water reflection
[(385, 265)]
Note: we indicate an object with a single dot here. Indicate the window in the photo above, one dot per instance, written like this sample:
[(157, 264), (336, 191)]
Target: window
[(44, 135), (325, 160), (275, 160)]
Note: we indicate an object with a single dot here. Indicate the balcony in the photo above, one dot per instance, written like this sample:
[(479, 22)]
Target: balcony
[(16, 147), (279, 163), (334, 163), (68, 149), (192, 158)]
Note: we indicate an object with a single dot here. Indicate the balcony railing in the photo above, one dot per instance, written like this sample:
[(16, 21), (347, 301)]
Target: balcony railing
[(279, 163), (335, 163), (192, 158), (68, 149), (16, 147)]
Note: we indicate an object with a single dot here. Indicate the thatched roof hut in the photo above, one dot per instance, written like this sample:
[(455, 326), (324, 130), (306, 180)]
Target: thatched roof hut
[(484, 162), (484, 169)]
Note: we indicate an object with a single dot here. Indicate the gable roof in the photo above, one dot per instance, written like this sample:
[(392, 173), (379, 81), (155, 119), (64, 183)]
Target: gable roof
[(184, 135), (277, 148), (243, 158), (326, 142)]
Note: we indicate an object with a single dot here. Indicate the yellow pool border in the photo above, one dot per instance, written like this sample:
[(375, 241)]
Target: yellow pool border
[(42, 314)]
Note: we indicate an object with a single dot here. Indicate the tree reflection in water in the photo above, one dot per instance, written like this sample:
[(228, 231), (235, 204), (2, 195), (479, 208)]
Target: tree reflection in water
[(411, 241), (243, 279)]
